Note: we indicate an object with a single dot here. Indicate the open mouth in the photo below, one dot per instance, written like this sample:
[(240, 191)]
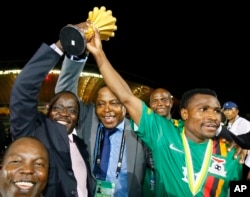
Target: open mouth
[(24, 186)]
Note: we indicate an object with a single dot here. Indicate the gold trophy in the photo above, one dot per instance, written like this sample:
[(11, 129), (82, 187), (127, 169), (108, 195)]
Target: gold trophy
[(75, 37)]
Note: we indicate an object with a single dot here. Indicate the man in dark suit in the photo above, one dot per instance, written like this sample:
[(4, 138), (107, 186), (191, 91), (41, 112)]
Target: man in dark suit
[(109, 113), (69, 161)]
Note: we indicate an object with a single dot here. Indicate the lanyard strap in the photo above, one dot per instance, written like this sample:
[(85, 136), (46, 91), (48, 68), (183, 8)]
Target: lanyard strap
[(121, 153)]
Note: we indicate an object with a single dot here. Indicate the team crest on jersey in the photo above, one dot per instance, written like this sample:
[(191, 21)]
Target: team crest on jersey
[(217, 166)]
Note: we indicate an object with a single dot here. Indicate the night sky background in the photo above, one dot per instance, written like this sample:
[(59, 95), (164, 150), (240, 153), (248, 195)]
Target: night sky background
[(177, 46)]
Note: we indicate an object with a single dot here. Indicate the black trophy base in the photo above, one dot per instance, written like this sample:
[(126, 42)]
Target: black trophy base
[(72, 40)]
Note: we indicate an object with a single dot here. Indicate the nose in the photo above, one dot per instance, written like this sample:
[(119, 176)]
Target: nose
[(64, 110), (27, 169), (107, 107)]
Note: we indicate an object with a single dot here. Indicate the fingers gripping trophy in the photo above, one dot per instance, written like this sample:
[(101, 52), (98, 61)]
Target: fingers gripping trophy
[(74, 40)]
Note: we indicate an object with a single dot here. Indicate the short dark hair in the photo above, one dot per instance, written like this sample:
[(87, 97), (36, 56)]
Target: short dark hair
[(186, 97)]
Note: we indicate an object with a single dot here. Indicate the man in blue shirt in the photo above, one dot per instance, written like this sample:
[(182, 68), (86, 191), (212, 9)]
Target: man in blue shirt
[(127, 160)]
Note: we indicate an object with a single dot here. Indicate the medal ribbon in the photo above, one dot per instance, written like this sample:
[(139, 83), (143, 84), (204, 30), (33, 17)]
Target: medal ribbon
[(195, 184)]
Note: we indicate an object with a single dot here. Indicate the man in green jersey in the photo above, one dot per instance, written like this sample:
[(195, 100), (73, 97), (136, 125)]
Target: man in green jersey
[(186, 156), (161, 102)]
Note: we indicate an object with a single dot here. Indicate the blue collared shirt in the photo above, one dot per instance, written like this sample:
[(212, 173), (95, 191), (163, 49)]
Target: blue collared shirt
[(121, 181)]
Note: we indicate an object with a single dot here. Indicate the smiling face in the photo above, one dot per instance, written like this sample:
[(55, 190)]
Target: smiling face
[(65, 110), (109, 110), (24, 170), (161, 102)]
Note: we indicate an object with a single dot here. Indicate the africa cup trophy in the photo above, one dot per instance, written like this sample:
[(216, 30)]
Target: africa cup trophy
[(74, 38)]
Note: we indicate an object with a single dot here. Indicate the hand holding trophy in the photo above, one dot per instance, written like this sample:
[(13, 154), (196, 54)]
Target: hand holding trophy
[(74, 37)]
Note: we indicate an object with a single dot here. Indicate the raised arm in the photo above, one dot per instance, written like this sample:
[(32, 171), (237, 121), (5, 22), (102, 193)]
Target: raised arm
[(23, 98), (114, 81), (69, 75)]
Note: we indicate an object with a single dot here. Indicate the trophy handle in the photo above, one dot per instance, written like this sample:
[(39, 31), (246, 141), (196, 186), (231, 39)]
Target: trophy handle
[(73, 40)]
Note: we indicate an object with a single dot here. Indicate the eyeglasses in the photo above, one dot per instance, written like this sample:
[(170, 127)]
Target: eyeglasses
[(69, 110)]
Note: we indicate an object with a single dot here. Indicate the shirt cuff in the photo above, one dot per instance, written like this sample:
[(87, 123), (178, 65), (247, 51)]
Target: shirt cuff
[(54, 47), (77, 59)]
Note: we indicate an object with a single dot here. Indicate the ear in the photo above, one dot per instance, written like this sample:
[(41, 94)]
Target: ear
[(184, 114), (47, 108), (124, 111)]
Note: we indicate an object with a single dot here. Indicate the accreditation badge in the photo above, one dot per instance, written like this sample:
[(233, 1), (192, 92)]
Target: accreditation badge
[(104, 189)]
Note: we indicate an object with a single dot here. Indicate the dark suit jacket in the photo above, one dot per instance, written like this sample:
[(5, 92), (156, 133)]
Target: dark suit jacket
[(25, 119), (88, 127)]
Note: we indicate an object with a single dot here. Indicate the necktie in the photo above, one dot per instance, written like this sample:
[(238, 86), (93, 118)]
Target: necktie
[(105, 152)]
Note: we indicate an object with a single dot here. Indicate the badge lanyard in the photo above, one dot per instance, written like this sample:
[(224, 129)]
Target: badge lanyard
[(122, 147)]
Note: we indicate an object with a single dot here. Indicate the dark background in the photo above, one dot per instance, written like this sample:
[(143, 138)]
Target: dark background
[(176, 46)]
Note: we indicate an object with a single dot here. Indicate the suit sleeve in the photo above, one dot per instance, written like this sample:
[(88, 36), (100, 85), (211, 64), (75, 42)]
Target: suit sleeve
[(25, 90), (69, 75), (242, 140)]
